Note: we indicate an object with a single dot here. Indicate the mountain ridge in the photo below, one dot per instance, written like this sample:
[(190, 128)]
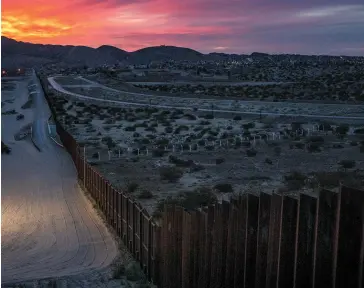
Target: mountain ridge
[(25, 54)]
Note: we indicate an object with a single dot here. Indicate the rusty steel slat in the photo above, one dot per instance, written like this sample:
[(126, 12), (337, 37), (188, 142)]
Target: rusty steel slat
[(275, 223), (145, 243), (125, 229), (326, 238), (350, 257), (119, 225), (138, 234), (305, 241), (178, 245), (131, 225), (186, 249), (211, 246), (215, 246), (288, 242), (231, 245), (263, 237), (224, 240), (155, 253), (241, 243), (202, 246), (251, 240)]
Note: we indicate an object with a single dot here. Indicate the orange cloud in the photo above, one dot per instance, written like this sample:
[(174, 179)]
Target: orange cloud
[(29, 29)]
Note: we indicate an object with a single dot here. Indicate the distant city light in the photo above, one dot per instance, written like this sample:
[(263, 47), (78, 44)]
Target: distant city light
[(4, 72)]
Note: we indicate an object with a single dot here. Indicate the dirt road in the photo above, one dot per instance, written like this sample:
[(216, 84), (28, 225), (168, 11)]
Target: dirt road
[(49, 228)]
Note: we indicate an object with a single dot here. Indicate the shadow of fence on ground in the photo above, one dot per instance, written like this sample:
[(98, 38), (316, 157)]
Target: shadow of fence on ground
[(252, 241)]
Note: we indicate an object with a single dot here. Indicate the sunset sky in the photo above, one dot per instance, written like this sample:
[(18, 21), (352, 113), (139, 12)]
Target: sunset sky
[(231, 26)]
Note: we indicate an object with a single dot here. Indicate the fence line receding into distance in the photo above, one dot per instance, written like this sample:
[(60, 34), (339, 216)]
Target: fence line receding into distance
[(253, 241)]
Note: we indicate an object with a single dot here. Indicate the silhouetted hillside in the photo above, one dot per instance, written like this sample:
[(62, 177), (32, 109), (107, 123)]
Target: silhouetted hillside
[(17, 53)]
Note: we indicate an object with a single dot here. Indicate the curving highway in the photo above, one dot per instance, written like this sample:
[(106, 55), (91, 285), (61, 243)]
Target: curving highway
[(288, 109), (49, 229)]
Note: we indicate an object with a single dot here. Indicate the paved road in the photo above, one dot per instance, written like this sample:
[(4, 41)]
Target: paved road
[(142, 99), (49, 228)]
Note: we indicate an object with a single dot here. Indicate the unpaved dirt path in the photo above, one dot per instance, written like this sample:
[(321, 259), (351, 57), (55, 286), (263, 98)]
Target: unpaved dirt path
[(49, 228)]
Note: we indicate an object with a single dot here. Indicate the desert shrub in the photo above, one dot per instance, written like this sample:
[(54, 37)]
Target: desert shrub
[(196, 167), (199, 197), (5, 148), (150, 129), (316, 139), (145, 141), (119, 271), (145, 194), (347, 164), (9, 112), (237, 118), (208, 116), (224, 135), (165, 112), (337, 146), (190, 117), (133, 272), (182, 128), (202, 122), (219, 161), (251, 152), (209, 147), (314, 147), (108, 121), (168, 129), (299, 145), (213, 133), (334, 178), (296, 126), (158, 152), (162, 141), (359, 131), (131, 187), (130, 129), (20, 117), (171, 174), (224, 187), (136, 135), (80, 104), (295, 180), (27, 104), (143, 125), (342, 129), (201, 142), (248, 125), (268, 161), (180, 162), (277, 150), (229, 128)]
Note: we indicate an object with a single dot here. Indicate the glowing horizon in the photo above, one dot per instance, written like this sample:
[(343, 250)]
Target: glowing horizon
[(233, 26)]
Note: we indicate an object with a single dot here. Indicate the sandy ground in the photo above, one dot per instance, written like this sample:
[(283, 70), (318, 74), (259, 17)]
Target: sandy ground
[(49, 228), (91, 125)]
